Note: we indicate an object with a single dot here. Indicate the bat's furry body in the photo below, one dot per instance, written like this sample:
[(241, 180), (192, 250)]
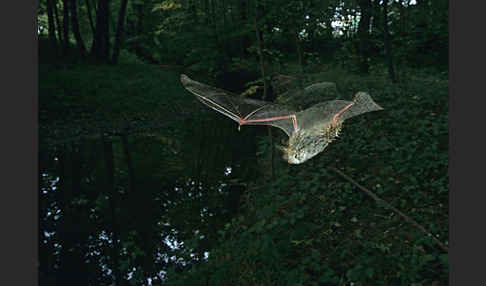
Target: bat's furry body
[(310, 131)]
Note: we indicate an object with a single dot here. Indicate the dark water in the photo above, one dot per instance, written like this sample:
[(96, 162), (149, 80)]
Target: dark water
[(132, 205)]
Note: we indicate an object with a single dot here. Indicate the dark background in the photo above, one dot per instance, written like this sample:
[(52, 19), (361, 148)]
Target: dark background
[(139, 182)]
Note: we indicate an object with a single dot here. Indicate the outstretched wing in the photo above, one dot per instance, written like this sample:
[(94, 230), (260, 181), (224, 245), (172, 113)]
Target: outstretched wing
[(245, 111)]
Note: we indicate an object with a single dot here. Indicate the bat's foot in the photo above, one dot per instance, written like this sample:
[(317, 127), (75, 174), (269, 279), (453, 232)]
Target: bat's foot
[(334, 121)]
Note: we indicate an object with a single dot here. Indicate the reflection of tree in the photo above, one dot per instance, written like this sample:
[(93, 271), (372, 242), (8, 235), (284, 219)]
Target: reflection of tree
[(112, 195), (73, 229), (120, 209), (129, 162)]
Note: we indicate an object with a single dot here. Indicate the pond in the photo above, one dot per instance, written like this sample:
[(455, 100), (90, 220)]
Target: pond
[(139, 202)]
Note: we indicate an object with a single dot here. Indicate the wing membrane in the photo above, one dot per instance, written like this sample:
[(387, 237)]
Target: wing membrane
[(245, 111)]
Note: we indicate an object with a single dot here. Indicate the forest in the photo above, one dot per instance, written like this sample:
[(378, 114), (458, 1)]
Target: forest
[(142, 184)]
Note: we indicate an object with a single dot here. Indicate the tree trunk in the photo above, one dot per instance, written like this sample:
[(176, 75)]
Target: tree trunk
[(227, 51), (51, 26), (311, 33), (260, 55), (139, 29), (214, 22), (244, 40), (65, 24), (293, 35), (298, 48), (265, 82), (403, 17), (388, 45), (90, 16), (422, 23), (75, 24), (58, 22), (119, 31), (101, 44), (363, 34), (193, 10), (206, 12)]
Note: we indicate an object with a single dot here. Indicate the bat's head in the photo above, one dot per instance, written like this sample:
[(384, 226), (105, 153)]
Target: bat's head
[(295, 156), (306, 144)]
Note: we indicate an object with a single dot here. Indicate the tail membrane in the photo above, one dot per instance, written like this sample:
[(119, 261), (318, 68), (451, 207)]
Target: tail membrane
[(362, 103)]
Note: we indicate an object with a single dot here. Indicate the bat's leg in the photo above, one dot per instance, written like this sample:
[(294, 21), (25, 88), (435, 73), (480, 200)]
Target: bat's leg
[(335, 118), (294, 121), (291, 116)]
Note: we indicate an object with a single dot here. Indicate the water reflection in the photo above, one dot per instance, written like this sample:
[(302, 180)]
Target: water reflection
[(132, 206)]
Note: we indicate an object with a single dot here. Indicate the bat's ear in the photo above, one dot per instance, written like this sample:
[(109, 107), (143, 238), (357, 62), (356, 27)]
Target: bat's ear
[(284, 150), (184, 78)]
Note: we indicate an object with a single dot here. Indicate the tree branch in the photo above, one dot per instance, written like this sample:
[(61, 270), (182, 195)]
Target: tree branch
[(378, 199)]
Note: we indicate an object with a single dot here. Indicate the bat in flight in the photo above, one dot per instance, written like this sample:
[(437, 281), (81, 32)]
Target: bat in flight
[(310, 131)]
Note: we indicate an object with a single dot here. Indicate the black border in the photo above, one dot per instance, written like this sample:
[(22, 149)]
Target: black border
[(19, 188), (467, 143)]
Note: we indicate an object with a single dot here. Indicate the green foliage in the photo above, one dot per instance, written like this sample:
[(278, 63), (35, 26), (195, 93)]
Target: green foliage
[(166, 5), (128, 58)]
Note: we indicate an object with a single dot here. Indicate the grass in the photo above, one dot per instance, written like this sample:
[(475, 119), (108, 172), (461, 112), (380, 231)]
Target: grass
[(89, 98)]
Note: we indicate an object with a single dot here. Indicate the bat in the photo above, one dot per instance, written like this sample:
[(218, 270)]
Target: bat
[(310, 131)]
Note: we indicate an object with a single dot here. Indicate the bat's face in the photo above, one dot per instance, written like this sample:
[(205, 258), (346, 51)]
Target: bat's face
[(306, 144), (296, 156)]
